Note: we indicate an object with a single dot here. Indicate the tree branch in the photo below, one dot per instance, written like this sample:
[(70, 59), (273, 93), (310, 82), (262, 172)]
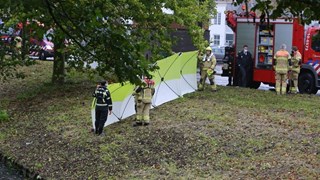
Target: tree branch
[(64, 30)]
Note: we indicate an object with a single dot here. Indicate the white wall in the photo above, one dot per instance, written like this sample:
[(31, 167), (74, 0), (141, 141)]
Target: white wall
[(221, 29)]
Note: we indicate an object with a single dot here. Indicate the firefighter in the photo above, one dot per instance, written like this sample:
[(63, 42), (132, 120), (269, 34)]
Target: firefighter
[(228, 60), (294, 69), (143, 99), (103, 105), (207, 66), (245, 67), (281, 66), (18, 44), (136, 97)]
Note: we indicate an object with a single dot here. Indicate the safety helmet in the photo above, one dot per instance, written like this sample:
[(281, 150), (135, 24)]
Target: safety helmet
[(18, 39), (149, 82), (209, 49)]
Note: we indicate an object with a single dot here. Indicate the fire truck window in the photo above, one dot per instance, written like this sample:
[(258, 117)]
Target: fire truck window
[(315, 45)]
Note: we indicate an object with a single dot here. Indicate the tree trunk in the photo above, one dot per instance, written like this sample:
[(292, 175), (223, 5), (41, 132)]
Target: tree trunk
[(24, 42), (58, 75)]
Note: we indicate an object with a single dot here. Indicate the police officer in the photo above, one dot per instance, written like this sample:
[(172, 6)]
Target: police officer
[(103, 105), (282, 63), (143, 99), (207, 65), (245, 67), (294, 69)]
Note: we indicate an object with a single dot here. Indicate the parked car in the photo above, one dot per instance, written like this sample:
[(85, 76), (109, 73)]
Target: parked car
[(219, 52)]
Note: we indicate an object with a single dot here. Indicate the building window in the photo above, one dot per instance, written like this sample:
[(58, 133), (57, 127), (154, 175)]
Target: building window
[(216, 40), (217, 19), (229, 39)]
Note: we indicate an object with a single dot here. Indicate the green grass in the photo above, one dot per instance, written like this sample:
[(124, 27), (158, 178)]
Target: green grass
[(234, 133), (3, 116)]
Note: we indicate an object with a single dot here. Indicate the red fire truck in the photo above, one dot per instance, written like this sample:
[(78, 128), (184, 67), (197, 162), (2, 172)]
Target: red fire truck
[(264, 39)]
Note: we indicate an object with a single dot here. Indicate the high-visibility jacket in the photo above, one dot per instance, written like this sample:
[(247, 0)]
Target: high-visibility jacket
[(207, 62), (296, 62), (146, 95), (282, 57), (146, 92), (103, 97)]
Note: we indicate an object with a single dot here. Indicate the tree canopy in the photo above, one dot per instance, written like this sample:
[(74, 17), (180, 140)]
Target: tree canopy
[(115, 34), (306, 10)]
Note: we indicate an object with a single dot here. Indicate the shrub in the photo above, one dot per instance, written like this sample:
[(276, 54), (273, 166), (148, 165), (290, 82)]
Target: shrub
[(3, 116)]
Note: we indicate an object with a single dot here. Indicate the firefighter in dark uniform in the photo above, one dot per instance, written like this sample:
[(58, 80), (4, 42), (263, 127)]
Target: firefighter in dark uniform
[(245, 67), (228, 61), (103, 105)]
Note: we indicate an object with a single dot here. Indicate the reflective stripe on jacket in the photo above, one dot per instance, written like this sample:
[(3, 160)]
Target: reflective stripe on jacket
[(282, 57), (208, 62), (147, 95), (295, 62)]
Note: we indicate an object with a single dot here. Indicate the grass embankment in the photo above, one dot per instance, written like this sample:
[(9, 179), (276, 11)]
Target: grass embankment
[(232, 133)]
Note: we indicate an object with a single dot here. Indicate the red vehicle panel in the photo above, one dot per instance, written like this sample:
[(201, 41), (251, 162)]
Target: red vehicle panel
[(287, 31)]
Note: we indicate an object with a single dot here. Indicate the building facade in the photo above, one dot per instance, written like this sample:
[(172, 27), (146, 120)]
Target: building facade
[(220, 34)]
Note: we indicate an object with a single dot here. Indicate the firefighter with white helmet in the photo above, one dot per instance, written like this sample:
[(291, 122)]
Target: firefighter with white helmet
[(207, 65), (282, 63), (143, 99), (18, 41), (294, 69), (18, 44)]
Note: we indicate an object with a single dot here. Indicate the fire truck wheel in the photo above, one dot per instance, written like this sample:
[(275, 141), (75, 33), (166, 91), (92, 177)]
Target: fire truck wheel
[(42, 55), (255, 85), (306, 84)]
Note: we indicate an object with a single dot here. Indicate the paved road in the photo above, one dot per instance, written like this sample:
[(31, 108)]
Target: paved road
[(223, 81)]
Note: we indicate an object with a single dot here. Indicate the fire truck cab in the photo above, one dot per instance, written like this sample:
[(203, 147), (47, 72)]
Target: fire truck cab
[(264, 39)]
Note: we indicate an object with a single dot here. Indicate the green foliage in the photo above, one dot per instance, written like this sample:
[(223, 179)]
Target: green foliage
[(115, 34), (3, 116), (306, 10)]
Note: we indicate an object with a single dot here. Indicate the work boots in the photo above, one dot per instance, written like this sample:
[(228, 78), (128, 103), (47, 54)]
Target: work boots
[(137, 123)]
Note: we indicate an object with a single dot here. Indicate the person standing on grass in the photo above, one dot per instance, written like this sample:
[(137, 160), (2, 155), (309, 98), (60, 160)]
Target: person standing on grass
[(103, 106), (245, 67), (143, 99), (207, 63), (294, 70), (282, 61)]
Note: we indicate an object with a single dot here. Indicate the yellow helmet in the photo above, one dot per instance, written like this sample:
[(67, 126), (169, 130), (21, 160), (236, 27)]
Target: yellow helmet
[(209, 49)]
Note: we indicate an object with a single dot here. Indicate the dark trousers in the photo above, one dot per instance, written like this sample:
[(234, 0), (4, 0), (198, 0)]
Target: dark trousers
[(101, 119), (244, 76)]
